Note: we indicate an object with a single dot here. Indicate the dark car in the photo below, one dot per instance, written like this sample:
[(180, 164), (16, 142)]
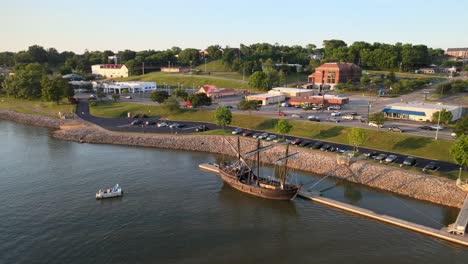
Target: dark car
[(395, 129), (353, 113), (201, 128), (409, 161), (313, 118), (371, 155), (325, 147), (431, 166), (150, 123), (317, 145), (137, 122), (296, 141), (247, 133), (425, 128), (332, 149), (304, 143)]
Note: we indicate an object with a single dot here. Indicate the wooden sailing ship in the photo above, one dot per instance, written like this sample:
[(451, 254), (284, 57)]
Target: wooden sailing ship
[(239, 175)]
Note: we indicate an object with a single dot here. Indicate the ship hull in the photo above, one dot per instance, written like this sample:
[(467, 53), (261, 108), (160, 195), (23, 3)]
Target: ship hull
[(275, 194)]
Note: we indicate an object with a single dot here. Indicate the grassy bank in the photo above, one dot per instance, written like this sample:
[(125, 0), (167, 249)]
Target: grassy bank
[(36, 107), (382, 140)]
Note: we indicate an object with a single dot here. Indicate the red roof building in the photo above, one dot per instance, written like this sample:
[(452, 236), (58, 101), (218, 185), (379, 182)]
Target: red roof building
[(334, 73), (214, 92)]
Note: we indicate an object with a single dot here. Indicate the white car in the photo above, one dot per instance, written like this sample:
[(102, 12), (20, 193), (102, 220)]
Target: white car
[(347, 117), (373, 124), (271, 137), (128, 97), (237, 131), (263, 136), (163, 124), (336, 114), (437, 127)]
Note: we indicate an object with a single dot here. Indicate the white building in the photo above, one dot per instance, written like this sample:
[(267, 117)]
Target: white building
[(110, 70), (267, 98), (291, 92), (131, 87), (419, 111)]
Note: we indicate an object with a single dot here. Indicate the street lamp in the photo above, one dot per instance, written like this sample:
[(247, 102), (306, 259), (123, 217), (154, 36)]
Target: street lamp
[(205, 65), (438, 122)]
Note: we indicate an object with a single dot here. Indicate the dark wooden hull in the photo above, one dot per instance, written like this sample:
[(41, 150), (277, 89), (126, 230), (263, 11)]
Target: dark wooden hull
[(288, 193)]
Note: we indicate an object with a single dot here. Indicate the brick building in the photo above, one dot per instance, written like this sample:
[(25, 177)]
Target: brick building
[(457, 53), (334, 73)]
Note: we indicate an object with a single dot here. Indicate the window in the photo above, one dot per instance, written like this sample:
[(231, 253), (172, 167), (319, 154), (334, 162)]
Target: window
[(331, 77)]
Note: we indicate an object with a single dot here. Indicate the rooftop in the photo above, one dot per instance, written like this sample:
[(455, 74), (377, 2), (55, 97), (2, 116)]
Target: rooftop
[(421, 105), (279, 89), (265, 95)]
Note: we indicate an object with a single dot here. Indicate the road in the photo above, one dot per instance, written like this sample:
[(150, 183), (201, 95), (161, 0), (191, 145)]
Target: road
[(123, 125)]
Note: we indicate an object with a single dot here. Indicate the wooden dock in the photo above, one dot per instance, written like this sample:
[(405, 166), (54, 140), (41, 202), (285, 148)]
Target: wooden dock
[(314, 196)]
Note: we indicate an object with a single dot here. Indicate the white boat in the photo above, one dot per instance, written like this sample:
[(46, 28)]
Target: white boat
[(109, 193)]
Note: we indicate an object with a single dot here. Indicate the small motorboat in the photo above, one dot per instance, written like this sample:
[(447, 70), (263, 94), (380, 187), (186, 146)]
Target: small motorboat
[(109, 193)]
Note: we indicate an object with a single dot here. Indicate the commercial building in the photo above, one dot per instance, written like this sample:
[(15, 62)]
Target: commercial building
[(291, 92), (328, 99), (334, 73), (419, 111), (461, 53), (110, 70), (214, 92), (131, 87), (266, 98)]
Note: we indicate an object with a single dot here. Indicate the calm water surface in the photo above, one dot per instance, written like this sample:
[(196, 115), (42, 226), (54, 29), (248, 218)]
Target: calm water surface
[(174, 213)]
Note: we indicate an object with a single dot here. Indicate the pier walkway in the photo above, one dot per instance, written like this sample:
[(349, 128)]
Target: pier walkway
[(462, 220)]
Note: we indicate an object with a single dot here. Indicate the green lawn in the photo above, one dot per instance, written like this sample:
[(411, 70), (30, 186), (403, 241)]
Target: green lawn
[(37, 107), (408, 75), (213, 66), (381, 140), (189, 80)]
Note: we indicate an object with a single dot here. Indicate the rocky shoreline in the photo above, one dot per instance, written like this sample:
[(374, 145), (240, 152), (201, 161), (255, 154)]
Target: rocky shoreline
[(409, 183)]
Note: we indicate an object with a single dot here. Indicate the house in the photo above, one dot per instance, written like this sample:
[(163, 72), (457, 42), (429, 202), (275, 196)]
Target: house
[(214, 92), (110, 70), (457, 53), (334, 73), (419, 111)]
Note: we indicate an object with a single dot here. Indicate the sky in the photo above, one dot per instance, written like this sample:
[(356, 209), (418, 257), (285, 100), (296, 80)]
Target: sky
[(155, 24)]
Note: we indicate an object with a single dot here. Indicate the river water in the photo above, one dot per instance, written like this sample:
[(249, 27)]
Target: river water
[(174, 213)]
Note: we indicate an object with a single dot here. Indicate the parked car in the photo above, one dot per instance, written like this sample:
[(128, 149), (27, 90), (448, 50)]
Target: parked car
[(237, 131), (316, 107), (437, 127), (334, 119), (334, 107), (317, 145), (150, 123), (391, 158), (395, 129), (247, 133), (176, 125), (325, 147), (296, 116), (263, 136), (281, 113), (137, 122), (425, 128), (371, 155), (304, 143), (381, 156), (201, 128), (409, 161), (336, 113), (128, 97), (271, 137), (296, 141), (432, 165), (332, 149), (353, 113), (285, 104), (347, 117), (162, 124), (229, 106), (373, 124), (256, 135), (313, 118)]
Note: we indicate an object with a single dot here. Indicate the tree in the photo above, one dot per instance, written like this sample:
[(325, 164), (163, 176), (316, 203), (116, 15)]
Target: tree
[(68, 90), (365, 80), (245, 105), (26, 83), (53, 89), (180, 93), (159, 96), (115, 97), (258, 80), (214, 52), (172, 104), (357, 137), (445, 116), (283, 127), (378, 118), (459, 151), (461, 127), (188, 56), (200, 99), (101, 95), (223, 116)]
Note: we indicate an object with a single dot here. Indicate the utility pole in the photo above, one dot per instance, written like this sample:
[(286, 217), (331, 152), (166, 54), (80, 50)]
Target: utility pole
[(143, 67), (205, 65), (438, 122)]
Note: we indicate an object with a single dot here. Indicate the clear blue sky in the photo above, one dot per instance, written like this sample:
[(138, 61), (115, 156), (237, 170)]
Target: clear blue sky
[(139, 25)]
